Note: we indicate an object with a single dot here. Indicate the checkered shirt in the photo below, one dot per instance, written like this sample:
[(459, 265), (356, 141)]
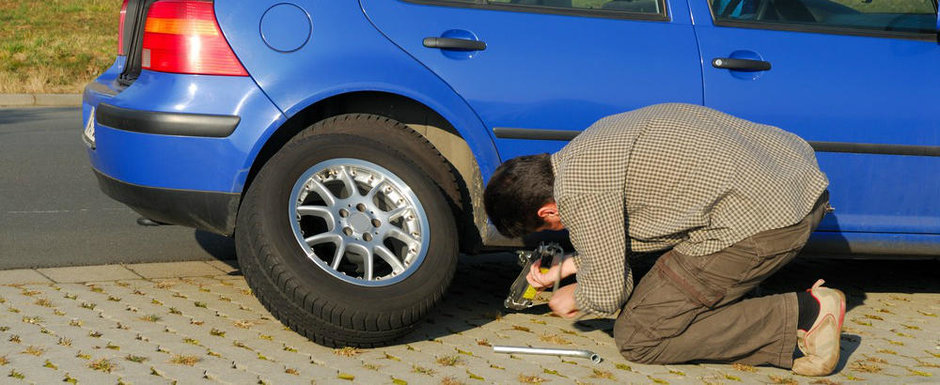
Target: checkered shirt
[(674, 175)]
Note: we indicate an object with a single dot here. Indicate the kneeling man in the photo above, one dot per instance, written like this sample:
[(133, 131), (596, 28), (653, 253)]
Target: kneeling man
[(733, 202)]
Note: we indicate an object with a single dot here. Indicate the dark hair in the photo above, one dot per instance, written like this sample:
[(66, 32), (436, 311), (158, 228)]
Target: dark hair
[(516, 191)]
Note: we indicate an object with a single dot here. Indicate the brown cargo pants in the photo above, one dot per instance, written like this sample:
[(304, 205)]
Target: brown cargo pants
[(690, 309)]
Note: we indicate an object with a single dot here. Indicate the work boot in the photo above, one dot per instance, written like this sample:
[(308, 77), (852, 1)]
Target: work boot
[(820, 344)]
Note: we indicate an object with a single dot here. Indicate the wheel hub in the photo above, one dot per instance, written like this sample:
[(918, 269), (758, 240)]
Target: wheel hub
[(359, 222)]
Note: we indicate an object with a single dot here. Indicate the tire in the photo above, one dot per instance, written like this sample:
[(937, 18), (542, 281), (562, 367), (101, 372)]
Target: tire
[(345, 302)]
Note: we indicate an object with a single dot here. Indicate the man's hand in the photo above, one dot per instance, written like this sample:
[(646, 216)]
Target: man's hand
[(562, 302), (540, 280)]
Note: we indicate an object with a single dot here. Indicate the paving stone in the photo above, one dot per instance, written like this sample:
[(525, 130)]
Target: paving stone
[(891, 334), (227, 266), (21, 277), (88, 273), (174, 269)]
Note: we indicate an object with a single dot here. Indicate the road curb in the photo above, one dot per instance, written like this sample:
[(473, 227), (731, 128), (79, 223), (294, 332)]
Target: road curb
[(40, 100)]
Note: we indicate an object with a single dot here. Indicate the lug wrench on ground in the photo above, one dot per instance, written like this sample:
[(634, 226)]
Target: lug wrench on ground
[(548, 352)]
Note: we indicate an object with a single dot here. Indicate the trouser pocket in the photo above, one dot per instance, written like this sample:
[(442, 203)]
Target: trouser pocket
[(689, 277), (663, 304)]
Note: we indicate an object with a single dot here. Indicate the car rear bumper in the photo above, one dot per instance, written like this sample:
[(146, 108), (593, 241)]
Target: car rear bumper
[(178, 132), (204, 210), (177, 148)]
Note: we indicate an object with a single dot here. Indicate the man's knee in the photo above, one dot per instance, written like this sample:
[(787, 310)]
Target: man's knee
[(635, 348), (640, 354)]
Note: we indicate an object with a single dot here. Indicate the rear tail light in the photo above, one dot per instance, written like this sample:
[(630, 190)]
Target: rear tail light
[(121, 28), (182, 36)]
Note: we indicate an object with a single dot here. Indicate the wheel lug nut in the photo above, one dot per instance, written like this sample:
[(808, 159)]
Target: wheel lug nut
[(343, 213), (367, 237), (348, 231), (361, 207), (376, 223)]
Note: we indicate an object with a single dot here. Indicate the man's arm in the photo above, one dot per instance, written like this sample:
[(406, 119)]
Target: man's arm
[(597, 228)]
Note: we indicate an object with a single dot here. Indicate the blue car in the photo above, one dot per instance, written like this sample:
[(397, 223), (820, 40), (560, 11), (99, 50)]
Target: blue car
[(345, 144)]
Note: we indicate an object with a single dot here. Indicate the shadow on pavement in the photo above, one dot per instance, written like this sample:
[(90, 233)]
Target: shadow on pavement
[(218, 246), (849, 344), (482, 282)]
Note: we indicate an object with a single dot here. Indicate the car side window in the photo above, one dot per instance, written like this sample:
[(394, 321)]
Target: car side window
[(872, 16), (634, 6)]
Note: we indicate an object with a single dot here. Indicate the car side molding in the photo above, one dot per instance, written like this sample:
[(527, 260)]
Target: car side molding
[(849, 147)]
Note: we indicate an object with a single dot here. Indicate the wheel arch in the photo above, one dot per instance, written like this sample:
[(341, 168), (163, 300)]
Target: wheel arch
[(447, 139)]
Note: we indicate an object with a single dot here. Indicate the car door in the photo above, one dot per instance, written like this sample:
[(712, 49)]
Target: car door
[(858, 79), (532, 67)]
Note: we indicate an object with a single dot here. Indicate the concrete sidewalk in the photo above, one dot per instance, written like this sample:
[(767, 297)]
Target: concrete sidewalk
[(40, 100), (198, 322)]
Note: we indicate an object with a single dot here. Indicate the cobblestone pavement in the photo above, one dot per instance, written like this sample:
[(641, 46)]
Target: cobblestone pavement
[(197, 322)]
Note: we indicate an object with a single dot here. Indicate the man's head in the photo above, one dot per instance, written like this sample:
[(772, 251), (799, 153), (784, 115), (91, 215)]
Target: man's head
[(519, 197)]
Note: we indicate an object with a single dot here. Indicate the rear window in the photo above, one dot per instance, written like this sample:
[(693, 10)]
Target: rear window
[(916, 16)]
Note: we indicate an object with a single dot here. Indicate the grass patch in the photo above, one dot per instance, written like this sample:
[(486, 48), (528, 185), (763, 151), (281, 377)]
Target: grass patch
[(102, 365), (825, 381), (133, 358), (16, 375), (50, 50), (422, 370), (866, 367), (555, 339), (34, 351), (44, 302), (347, 351), (180, 359), (597, 373), (623, 367), (783, 380), (744, 368), (531, 379), (448, 360)]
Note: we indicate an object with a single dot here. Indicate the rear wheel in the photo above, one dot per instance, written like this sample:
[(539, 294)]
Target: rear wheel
[(345, 239)]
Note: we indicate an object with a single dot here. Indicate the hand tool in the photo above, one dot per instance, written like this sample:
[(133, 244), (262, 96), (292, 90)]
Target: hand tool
[(548, 352), (521, 293)]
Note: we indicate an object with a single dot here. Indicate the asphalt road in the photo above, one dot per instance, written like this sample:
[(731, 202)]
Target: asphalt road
[(53, 214)]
